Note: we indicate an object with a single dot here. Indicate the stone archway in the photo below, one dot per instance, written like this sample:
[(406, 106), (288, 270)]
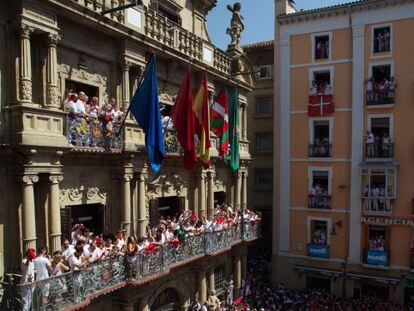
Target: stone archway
[(167, 300)]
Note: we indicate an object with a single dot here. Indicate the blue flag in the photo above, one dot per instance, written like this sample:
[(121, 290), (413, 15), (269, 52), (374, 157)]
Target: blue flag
[(145, 108)]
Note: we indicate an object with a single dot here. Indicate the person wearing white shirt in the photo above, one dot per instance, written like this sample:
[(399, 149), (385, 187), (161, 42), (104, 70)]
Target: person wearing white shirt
[(370, 141), (28, 273), (42, 266), (68, 250)]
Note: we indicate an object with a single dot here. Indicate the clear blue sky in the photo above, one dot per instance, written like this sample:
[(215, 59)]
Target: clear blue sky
[(258, 18)]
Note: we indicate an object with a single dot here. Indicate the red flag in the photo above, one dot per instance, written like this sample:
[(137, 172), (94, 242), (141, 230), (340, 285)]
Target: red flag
[(320, 105), (184, 118)]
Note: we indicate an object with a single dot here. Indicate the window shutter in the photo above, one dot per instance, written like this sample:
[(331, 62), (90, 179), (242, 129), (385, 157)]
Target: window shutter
[(153, 204), (66, 222)]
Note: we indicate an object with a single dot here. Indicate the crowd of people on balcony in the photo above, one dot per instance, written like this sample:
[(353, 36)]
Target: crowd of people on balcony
[(318, 197), (382, 41), (322, 49), (378, 146), (380, 91), (84, 247), (86, 117), (376, 243), (377, 198), (321, 147), (320, 88), (319, 237)]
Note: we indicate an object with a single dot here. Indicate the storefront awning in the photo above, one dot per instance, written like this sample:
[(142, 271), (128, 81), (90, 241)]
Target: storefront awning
[(382, 279), (324, 271)]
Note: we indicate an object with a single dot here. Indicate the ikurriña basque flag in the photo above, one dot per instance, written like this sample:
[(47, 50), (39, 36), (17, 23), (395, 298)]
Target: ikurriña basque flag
[(145, 108)]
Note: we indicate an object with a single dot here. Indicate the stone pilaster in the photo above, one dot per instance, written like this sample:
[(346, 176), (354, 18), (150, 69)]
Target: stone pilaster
[(244, 190), (237, 190), (244, 120), (211, 281), (25, 64), (52, 71), (237, 274), (126, 95), (126, 202), (202, 286), (55, 231), (28, 212), (210, 207), (142, 209), (202, 194)]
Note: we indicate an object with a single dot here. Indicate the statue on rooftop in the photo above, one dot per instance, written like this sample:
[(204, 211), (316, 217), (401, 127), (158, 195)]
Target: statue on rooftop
[(236, 25)]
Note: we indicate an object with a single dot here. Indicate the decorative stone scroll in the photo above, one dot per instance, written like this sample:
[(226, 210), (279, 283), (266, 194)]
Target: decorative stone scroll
[(83, 195)]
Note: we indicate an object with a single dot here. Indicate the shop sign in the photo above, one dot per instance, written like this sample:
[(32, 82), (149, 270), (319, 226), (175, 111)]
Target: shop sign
[(387, 221)]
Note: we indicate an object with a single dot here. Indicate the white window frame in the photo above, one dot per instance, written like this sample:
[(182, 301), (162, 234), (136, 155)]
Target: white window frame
[(257, 104), (328, 221), (328, 169), (380, 116), (331, 70), (312, 121), (386, 178), (269, 67), (313, 40), (381, 54), (381, 63)]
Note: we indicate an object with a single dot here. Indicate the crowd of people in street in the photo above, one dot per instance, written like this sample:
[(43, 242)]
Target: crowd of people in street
[(378, 146), (258, 295), (380, 91)]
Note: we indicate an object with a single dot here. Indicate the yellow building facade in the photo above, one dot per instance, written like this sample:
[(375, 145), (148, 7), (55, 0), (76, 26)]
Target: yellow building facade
[(342, 173)]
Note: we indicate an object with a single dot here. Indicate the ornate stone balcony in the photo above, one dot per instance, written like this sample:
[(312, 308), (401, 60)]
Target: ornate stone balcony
[(93, 134), (75, 289), (162, 30)]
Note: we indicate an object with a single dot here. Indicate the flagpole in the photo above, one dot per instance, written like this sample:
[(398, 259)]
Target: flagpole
[(129, 107)]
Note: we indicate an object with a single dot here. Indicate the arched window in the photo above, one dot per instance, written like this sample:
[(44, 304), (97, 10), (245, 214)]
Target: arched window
[(168, 300)]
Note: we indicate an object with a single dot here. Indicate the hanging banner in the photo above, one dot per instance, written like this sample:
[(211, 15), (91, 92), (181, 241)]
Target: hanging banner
[(318, 250), (377, 258)]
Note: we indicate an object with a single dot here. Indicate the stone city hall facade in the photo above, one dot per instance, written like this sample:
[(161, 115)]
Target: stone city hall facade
[(49, 184)]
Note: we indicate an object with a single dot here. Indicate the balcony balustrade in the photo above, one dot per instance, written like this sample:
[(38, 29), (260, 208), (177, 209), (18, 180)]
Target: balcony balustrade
[(380, 206), (379, 150), (380, 97), (77, 288), (320, 201), (376, 258), (320, 151), (318, 250), (93, 133), (161, 29)]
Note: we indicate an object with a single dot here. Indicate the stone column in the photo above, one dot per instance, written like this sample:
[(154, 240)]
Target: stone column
[(202, 195), (125, 85), (143, 304), (237, 190), (195, 194), (55, 231), (52, 71), (211, 281), (244, 265), (25, 64), (244, 191), (126, 203), (142, 206), (237, 275), (28, 212), (210, 207), (202, 287)]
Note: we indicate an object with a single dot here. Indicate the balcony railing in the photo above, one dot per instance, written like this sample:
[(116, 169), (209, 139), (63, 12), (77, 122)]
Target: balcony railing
[(77, 288), (377, 205), (93, 133), (376, 258), (161, 29), (320, 151), (380, 97), (379, 150), (320, 201), (318, 250)]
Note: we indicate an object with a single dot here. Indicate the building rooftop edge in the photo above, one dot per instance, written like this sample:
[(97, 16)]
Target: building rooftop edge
[(339, 8), (260, 44)]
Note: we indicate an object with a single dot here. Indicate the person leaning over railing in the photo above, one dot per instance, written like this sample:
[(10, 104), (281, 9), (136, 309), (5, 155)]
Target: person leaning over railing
[(28, 275)]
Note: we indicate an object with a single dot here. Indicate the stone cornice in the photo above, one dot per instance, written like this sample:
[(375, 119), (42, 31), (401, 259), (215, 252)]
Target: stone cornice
[(338, 10)]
